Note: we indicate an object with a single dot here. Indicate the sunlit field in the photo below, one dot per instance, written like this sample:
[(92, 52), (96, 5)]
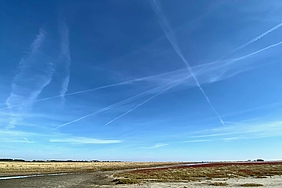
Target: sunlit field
[(20, 168)]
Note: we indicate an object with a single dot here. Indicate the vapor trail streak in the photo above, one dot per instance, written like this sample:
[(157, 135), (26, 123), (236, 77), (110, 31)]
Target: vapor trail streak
[(175, 83), (35, 72), (64, 59), (258, 51), (169, 35), (148, 77), (252, 41), (113, 105), (96, 89)]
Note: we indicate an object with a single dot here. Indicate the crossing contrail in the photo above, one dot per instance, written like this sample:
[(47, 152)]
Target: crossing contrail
[(175, 83), (116, 104), (225, 64), (169, 35)]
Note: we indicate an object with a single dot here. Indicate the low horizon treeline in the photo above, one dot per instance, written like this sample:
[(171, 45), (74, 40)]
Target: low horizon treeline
[(52, 160)]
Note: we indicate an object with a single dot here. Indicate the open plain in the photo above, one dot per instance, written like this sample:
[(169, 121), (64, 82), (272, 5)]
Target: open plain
[(133, 175)]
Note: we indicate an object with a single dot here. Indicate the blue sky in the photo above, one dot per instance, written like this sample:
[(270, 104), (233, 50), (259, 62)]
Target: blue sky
[(140, 80)]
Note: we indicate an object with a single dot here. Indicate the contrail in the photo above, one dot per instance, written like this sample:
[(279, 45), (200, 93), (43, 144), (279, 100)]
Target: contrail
[(253, 40), (113, 105), (175, 83), (220, 66), (202, 67), (64, 58), (36, 72), (169, 35), (136, 96), (98, 88), (258, 51)]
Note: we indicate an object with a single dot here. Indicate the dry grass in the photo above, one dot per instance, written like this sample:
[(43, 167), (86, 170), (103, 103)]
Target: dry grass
[(218, 183), (126, 181), (251, 185), (199, 173), (16, 168)]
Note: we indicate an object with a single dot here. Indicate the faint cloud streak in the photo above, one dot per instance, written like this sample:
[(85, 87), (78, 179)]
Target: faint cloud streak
[(84, 140), (35, 72)]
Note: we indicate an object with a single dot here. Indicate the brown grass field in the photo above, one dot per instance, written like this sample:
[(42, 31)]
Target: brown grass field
[(25, 168)]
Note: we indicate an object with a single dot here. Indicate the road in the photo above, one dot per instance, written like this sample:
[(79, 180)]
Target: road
[(94, 179)]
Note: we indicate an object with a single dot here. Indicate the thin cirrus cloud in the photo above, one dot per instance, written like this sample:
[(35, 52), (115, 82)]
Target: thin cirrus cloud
[(84, 140), (159, 145), (235, 131), (242, 131), (195, 141), (13, 136)]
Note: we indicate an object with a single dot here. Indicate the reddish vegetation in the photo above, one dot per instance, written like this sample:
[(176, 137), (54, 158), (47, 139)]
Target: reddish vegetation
[(213, 164)]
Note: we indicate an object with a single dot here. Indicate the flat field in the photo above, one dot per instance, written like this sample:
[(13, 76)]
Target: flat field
[(26, 168), (141, 175)]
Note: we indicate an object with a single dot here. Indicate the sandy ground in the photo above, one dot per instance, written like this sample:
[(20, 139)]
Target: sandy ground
[(270, 182), (104, 180)]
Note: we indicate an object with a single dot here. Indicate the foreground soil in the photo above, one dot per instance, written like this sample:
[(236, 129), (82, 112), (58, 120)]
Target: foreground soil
[(269, 182), (266, 175), (104, 180)]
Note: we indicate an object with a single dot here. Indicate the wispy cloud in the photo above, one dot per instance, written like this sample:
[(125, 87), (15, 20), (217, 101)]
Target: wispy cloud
[(13, 136), (196, 141), (84, 140), (231, 138), (156, 146), (35, 72), (242, 130)]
